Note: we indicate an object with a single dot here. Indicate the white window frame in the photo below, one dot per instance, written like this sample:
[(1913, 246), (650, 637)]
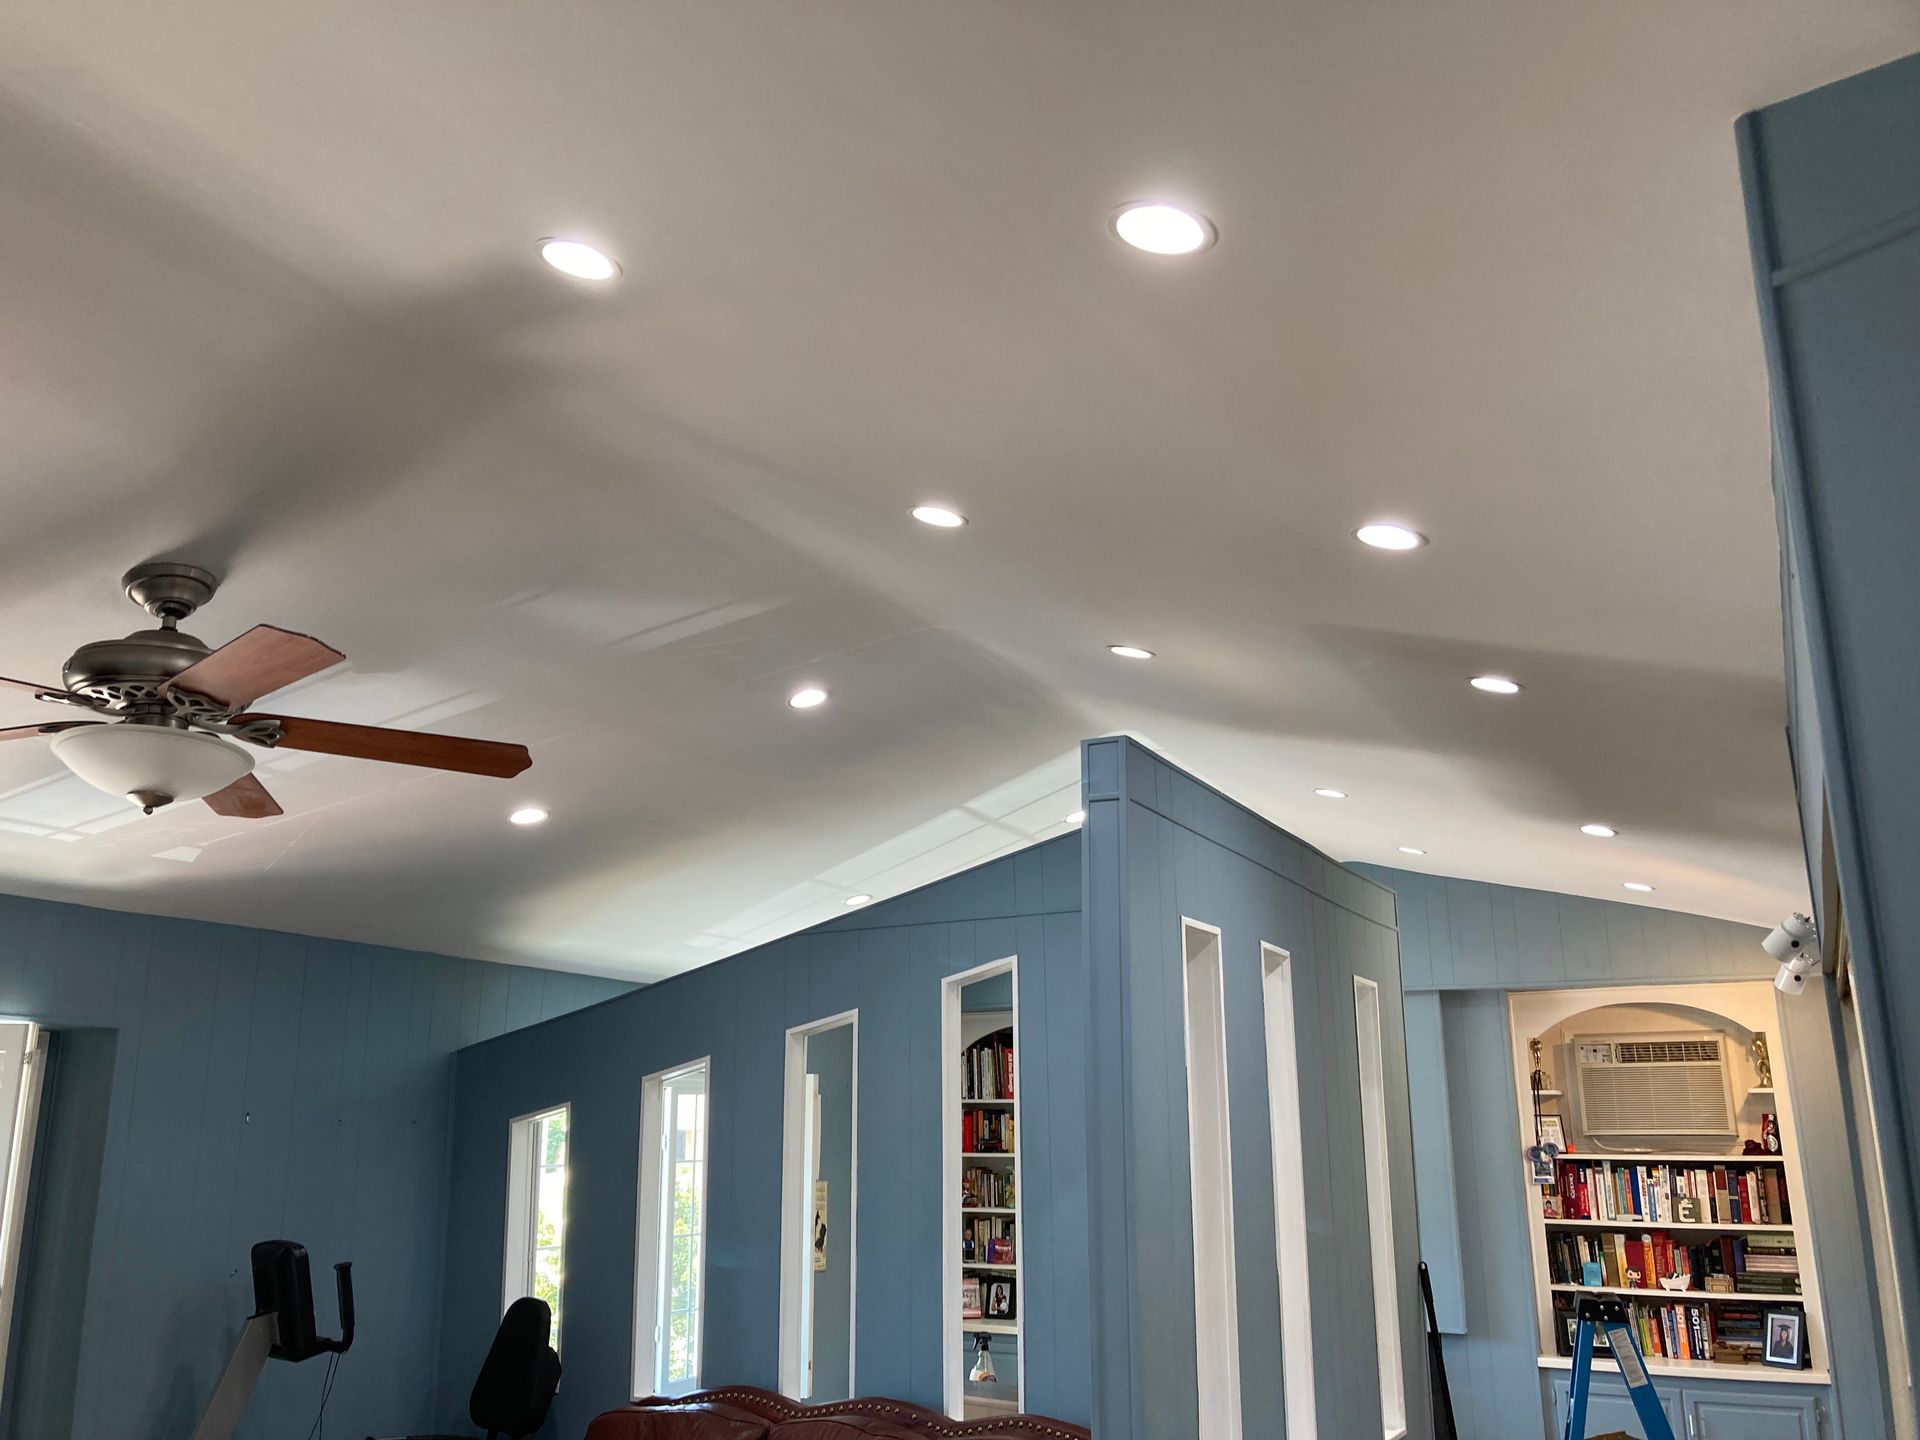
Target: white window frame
[(1289, 1190), (1216, 1305), (800, 1142), (1370, 1047), (523, 1189), (953, 1330), (653, 1238), (16, 1177)]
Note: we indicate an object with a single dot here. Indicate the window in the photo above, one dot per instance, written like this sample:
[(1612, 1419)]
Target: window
[(1215, 1303), (670, 1290), (536, 1261), (1373, 1139), (1289, 1190)]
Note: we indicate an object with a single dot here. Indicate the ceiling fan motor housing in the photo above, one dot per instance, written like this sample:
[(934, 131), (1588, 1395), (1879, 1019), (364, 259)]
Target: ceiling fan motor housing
[(129, 672)]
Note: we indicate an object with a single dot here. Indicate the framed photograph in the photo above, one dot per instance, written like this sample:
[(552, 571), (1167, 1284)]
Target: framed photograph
[(1553, 1131), (970, 1297), (1783, 1338), (1000, 1300)]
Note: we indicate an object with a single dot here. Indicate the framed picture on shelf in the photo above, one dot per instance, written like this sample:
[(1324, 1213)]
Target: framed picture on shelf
[(1553, 1131), (1000, 1300), (1784, 1346), (970, 1297)]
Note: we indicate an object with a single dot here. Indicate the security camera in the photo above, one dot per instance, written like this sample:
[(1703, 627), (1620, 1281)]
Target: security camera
[(1796, 945)]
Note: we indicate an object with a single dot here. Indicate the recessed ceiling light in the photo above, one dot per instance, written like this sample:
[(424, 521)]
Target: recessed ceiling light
[(1602, 832), (1331, 794), (1162, 229), (1637, 885), (853, 900), (807, 697), (939, 516), (1495, 684), (528, 815), (583, 262), (1385, 535), (1079, 817), (1131, 652), (1411, 850)]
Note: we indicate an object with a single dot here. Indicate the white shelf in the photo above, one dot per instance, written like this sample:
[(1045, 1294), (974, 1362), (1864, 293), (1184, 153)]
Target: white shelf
[(1006, 1155), (1724, 1228), (968, 1103), (984, 1265), (991, 1327), (1699, 1370), (1640, 1292), (1634, 1157), (987, 1210)]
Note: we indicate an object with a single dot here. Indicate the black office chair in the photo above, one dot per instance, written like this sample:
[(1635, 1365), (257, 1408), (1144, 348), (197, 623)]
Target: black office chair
[(517, 1379)]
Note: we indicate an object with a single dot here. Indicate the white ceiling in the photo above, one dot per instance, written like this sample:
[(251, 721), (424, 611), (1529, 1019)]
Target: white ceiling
[(270, 304)]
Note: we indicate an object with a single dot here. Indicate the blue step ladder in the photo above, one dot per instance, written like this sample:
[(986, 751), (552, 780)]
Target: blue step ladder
[(1608, 1317)]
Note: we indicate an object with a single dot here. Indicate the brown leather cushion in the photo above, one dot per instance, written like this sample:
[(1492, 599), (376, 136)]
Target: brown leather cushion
[(702, 1420)]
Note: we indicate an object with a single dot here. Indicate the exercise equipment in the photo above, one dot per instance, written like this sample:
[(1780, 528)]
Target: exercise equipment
[(280, 1328), (1607, 1317), (1443, 1423)]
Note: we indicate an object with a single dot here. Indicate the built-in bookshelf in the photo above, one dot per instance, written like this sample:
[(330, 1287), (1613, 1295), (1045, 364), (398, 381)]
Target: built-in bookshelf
[(1701, 1245), (982, 1235)]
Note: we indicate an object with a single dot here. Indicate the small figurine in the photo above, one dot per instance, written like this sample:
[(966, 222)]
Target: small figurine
[(1762, 1061)]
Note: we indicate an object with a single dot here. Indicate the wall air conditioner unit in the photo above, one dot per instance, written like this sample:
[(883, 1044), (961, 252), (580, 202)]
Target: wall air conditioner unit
[(1646, 1085)]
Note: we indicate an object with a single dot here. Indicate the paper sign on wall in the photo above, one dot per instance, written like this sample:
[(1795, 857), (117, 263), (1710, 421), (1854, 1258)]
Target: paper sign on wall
[(819, 1224)]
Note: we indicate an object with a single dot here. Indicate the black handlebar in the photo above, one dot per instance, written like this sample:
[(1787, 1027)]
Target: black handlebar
[(343, 1284)]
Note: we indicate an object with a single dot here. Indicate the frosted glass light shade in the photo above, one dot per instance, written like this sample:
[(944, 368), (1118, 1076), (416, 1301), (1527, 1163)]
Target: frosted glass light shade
[(150, 764)]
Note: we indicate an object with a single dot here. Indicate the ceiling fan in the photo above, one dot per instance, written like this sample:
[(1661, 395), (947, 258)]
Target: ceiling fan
[(173, 707)]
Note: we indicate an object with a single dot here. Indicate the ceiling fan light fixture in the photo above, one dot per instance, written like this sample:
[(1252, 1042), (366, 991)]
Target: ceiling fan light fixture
[(151, 765)]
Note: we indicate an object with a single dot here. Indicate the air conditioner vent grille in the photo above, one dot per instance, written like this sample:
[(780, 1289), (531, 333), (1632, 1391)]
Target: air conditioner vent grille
[(1656, 1052)]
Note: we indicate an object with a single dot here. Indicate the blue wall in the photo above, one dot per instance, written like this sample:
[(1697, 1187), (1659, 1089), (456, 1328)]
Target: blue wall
[(1464, 945), (1833, 198), (887, 961), (261, 1085), (1161, 845)]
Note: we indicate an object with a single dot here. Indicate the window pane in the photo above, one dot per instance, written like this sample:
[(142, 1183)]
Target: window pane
[(678, 1137)]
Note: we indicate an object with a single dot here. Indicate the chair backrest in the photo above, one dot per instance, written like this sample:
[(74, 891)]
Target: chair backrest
[(520, 1373)]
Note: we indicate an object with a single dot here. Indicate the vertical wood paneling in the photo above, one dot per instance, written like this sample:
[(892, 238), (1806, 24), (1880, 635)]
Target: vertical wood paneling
[(1177, 848), (887, 960), (261, 1085)]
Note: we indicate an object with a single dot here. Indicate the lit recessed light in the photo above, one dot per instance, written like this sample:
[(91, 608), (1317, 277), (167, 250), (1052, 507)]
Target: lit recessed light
[(939, 516), (807, 697), (1130, 652), (1079, 817), (583, 262), (853, 900), (1411, 850), (1331, 794), (528, 815), (1601, 832), (1162, 229), (1637, 885), (1495, 684), (1385, 535)]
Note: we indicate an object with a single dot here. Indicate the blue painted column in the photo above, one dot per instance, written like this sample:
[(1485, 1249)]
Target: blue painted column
[(1833, 196)]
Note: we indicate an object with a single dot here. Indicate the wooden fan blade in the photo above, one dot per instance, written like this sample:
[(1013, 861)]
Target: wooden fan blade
[(21, 732), (32, 689), (399, 747), (259, 662), (245, 799)]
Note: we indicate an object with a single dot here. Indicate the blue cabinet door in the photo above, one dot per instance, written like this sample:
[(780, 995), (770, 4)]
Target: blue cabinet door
[(1609, 1408), (1754, 1413)]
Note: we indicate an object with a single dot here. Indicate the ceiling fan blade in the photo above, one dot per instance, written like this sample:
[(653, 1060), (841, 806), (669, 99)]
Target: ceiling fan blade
[(54, 727), (51, 690), (399, 747), (245, 799), (259, 662)]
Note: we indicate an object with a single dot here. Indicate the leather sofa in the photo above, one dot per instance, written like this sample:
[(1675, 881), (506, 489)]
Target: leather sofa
[(740, 1412)]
